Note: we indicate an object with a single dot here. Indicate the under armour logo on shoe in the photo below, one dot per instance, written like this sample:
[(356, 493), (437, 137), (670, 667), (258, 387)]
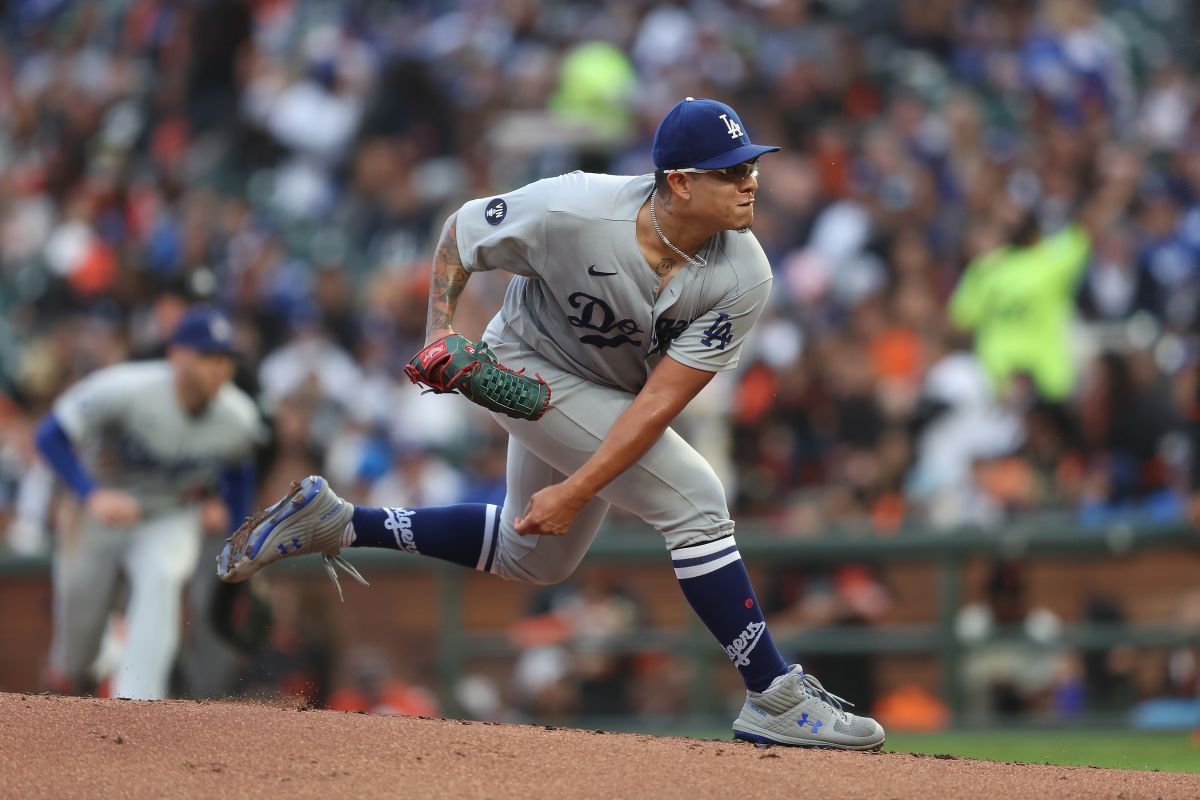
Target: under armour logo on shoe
[(815, 724), (286, 547)]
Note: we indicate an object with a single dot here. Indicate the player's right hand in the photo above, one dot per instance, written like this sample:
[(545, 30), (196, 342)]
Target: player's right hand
[(550, 511), (113, 507)]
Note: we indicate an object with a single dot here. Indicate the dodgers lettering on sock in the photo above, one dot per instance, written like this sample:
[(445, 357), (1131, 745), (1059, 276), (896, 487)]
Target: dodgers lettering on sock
[(399, 522), (715, 582), (739, 650), (464, 534)]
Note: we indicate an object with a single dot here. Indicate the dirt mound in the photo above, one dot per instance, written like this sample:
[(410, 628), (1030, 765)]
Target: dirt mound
[(64, 747)]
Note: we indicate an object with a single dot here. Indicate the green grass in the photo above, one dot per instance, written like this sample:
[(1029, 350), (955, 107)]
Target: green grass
[(1170, 752), (1111, 748)]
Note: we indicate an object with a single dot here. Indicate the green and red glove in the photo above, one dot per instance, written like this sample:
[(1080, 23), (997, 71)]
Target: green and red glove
[(456, 364)]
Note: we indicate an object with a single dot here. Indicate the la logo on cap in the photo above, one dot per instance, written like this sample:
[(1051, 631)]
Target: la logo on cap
[(220, 329), (735, 130)]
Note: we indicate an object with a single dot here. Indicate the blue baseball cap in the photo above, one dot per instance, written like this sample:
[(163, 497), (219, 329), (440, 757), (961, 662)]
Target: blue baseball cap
[(706, 134), (205, 330)]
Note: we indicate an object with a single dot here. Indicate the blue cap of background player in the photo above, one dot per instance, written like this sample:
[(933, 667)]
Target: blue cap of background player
[(705, 134), (205, 330)]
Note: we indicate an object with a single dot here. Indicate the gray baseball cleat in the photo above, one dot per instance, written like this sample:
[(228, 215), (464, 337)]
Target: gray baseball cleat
[(311, 518), (796, 710)]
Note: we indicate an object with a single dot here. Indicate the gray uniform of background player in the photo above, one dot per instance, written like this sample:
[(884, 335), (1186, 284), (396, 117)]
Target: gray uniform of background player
[(587, 315), (131, 432)]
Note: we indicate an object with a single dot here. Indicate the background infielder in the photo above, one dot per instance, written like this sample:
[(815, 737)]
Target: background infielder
[(631, 293), (142, 443)]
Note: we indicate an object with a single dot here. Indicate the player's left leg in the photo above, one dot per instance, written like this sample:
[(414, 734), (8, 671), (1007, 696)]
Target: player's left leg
[(163, 553), (311, 518), (480, 536)]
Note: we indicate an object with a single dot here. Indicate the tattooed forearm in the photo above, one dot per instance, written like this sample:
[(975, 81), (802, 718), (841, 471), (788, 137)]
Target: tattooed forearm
[(447, 280)]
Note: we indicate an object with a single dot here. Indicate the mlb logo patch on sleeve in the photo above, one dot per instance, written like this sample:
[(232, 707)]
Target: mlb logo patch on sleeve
[(495, 211)]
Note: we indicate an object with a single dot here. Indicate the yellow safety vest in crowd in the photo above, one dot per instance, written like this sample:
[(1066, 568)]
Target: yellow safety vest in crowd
[(1020, 302)]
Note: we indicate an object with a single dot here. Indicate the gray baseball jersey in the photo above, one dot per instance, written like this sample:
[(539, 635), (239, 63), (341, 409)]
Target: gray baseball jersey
[(585, 298), (133, 434)]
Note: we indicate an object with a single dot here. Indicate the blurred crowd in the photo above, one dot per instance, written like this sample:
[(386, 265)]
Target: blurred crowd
[(291, 161)]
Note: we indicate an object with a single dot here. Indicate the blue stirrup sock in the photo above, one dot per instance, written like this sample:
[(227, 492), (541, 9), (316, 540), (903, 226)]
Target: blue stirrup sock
[(464, 534), (715, 582)]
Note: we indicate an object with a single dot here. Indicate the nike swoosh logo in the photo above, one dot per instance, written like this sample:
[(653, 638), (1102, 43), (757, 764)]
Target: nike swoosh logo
[(593, 271)]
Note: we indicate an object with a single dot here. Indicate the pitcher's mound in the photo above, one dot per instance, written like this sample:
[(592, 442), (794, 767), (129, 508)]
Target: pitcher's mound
[(66, 747)]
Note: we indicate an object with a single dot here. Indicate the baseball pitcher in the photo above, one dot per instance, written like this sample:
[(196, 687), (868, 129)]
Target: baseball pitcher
[(631, 293)]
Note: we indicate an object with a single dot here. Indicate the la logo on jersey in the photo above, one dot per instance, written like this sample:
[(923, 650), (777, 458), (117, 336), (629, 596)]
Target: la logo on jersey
[(735, 130), (719, 334)]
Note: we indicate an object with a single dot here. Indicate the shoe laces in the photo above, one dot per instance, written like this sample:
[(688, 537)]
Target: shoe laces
[(811, 686), (330, 560)]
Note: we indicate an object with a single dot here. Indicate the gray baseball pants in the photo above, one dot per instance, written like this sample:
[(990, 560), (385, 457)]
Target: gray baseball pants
[(672, 487)]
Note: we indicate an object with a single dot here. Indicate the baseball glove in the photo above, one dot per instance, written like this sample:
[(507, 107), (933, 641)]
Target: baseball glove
[(242, 616), (455, 364)]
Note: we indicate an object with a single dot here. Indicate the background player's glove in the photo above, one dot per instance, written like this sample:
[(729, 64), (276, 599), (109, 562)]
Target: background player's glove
[(242, 616), (455, 363)]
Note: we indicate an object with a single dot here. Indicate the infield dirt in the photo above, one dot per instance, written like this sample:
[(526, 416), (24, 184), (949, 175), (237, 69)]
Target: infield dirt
[(66, 747)]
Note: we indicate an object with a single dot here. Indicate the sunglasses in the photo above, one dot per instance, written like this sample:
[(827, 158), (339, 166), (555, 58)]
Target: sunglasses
[(735, 174)]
